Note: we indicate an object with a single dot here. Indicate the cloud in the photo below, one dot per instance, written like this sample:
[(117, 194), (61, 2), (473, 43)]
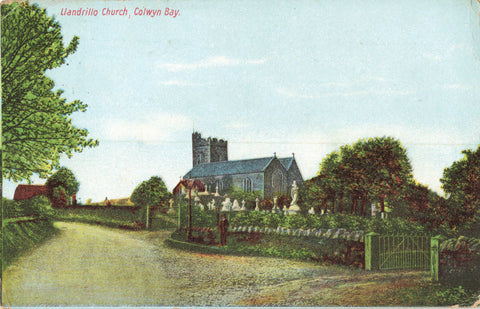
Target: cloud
[(365, 86), (459, 87), (152, 129), (445, 54), (347, 93), (212, 62), (176, 82)]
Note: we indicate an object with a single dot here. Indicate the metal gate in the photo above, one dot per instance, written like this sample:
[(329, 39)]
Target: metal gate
[(404, 252)]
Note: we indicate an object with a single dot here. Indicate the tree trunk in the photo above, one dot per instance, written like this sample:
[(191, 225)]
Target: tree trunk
[(340, 203), (381, 199), (354, 204), (363, 203), (333, 204)]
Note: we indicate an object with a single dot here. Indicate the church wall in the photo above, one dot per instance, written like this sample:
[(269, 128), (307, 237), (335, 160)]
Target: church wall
[(269, 190), (256, 179), (294, 174)]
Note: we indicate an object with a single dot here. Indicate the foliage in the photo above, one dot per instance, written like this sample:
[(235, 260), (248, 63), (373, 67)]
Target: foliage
[(369, 170), (37, 206), (390, 226), (200, 218), (152, 192), (126, 217), (461, 182), (454, 296), (64, 179), (62, 185), (460, 262), (236, 193), (36, 123), (22, 236)]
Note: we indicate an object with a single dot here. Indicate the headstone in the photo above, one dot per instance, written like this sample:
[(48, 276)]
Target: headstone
[(236, 206), (170, 207), (226, 205)]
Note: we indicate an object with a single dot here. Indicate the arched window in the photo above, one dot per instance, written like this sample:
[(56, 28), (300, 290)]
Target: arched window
[(247, 185), (278, 182), (219, 184)]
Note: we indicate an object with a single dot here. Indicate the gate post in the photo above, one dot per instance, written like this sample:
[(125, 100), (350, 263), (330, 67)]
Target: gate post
[(372, 254), (435, 256)]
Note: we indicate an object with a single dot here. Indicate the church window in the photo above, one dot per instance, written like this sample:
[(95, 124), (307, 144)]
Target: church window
[(219, 184), (247, 185), (278, 182)]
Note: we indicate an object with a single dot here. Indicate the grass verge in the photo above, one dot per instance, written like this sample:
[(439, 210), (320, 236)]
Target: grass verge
[(19, 237)]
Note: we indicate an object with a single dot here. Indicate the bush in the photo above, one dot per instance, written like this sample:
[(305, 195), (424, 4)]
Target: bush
[(454, 296), (460, 262), (37, 206)]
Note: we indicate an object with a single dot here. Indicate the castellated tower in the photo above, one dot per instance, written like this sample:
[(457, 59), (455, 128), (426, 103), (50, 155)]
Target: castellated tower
[(208, 150)]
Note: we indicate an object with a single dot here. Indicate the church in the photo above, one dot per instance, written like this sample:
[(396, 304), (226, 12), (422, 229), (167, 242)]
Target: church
[(272, 176)]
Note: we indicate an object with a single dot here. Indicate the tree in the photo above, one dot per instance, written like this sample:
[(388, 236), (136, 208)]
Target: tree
[(461, 183), (370, 169), (36, 123), (62, 185), (66, 179), (425, 206), (152, 192)]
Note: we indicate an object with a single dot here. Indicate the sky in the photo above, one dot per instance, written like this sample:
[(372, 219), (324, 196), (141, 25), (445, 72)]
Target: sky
[(303, 77)]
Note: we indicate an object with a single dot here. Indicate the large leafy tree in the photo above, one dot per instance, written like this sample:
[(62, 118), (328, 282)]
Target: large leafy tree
[(461, 182), (152, 192), (370, 169), (62, 185), (36, 123), (65, 179)]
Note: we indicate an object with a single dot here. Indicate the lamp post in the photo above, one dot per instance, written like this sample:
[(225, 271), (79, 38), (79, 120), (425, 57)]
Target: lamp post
[(190, 186)]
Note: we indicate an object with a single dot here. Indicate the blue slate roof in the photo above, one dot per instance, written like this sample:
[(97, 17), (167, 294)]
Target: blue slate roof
[(234, 167)]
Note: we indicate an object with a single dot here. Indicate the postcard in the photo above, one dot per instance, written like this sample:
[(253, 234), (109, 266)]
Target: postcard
[(240, 153)]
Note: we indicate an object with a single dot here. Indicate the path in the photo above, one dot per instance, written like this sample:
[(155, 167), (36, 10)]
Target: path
[(93, 265)]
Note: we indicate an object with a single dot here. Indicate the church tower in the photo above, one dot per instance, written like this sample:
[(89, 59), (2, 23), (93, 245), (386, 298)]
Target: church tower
[(208, 150)]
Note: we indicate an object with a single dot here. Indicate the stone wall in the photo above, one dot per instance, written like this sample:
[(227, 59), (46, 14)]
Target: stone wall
[(206, 150)]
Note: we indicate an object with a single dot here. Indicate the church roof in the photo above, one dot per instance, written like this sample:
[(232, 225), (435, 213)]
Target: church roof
[(234, 167), (286, 162)]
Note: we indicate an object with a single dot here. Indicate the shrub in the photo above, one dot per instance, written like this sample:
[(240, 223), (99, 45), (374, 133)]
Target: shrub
[(460, 262), (37, 206), (454, 296)]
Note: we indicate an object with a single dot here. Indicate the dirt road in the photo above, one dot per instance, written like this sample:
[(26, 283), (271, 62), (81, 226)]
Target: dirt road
[(93, 265)]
